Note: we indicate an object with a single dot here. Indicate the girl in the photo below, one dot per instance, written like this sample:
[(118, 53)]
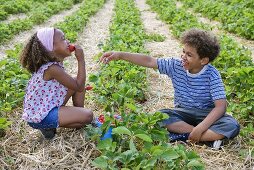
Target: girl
[(50, 87)]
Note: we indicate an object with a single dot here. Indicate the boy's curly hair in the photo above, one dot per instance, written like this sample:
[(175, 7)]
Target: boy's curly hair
[(205, 43), (34, 55)]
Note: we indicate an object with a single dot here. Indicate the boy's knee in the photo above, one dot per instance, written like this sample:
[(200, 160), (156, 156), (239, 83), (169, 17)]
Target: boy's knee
[(228, 127), (235, 130)]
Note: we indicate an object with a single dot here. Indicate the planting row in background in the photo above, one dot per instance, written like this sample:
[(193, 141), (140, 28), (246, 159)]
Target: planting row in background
[(39, 12), (234, 63), (14, 7), (236, 16), (137, 140), (13, 78)]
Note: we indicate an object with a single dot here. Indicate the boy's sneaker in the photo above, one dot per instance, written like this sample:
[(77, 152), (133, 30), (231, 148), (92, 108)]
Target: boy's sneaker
[(216, 145), (48, 133), (178, 137)]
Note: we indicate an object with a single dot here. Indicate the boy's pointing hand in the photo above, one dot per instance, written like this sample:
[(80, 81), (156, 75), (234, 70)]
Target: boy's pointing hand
[(108, 56)]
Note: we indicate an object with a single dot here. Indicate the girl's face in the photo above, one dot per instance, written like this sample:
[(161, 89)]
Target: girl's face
[(191, 60), (61, 45)]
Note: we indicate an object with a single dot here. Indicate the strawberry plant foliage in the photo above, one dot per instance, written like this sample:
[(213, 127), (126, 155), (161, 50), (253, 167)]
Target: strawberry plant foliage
[(13, 81), (138, 140)]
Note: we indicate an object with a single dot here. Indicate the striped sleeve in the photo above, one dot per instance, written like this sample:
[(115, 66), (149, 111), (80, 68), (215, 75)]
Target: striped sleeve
[(165, 66), (217, 87)]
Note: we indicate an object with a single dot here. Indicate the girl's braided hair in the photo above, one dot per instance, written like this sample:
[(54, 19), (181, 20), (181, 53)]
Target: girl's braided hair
[(205, 43), (34, 55)]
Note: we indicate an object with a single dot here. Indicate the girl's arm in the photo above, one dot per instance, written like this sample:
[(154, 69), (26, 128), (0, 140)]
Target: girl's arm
[(56, 72), (138, 59)]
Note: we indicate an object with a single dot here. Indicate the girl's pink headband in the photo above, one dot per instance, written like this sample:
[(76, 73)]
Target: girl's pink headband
[(46, 36)]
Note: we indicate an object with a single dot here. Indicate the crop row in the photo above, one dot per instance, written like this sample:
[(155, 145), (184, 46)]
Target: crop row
[(244, 4), (14, 7), (235, 17), (39, 14), (138, 140)]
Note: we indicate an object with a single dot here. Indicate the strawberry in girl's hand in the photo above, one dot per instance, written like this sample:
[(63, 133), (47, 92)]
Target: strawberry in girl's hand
[(88, 87), (71, 48)]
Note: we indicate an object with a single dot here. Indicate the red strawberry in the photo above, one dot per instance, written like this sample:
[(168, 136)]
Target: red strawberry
[(101, 119), (71, 48), (88, 87)]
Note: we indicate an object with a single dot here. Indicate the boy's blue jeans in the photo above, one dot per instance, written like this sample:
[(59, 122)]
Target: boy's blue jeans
[(226, 125)]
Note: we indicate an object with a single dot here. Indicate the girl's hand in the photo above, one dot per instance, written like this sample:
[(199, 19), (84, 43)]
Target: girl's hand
[(108, 56), (79, 53)]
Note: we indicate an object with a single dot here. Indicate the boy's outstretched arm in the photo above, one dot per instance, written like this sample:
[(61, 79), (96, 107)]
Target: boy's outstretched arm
[(135, 58)]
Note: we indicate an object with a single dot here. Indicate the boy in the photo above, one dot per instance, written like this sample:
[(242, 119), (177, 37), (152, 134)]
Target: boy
[(200, 100)]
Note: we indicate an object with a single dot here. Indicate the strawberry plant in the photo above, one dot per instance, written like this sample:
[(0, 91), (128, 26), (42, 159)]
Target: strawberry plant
[(13, 80), (137, 140), (4, 123)]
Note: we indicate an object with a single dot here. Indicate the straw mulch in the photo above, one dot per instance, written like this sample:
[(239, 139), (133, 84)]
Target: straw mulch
[(25, 148)]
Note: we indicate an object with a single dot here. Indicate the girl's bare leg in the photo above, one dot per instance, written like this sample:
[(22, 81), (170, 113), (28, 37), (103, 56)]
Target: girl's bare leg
[(74, 117), (77, 98), (77, 116)]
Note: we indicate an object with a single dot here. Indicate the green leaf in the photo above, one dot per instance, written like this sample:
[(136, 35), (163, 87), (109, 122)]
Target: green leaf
[(157, 152), (105, 144), (195, 163), (100, 162), (169, 155), (144, 137), (132, 146), (131, 106), (150, 163), (93, 78), (121, 130)]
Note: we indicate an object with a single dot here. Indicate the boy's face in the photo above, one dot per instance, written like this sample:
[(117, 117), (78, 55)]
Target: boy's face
[(61, 45), (191, 60)]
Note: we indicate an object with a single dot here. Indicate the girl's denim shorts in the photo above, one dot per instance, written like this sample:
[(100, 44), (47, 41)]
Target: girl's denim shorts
[(50, 121)]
